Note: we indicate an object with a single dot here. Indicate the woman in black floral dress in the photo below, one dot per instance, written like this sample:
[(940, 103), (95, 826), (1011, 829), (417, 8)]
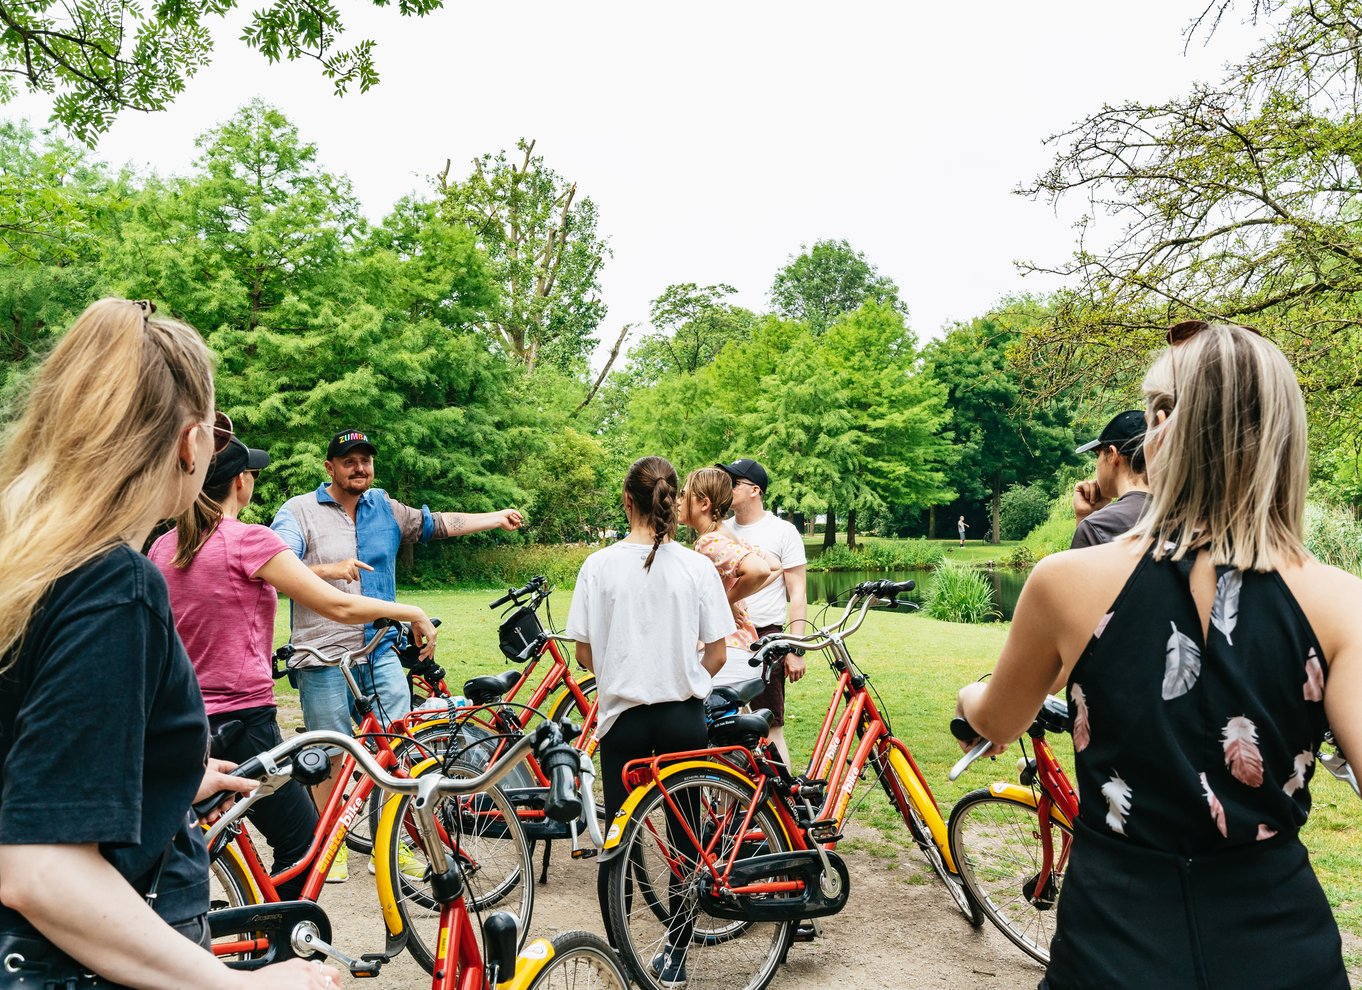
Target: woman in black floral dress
[(1205, 654)]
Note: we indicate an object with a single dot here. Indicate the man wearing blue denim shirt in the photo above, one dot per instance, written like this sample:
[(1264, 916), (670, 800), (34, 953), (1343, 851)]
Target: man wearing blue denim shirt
[(348, 533)]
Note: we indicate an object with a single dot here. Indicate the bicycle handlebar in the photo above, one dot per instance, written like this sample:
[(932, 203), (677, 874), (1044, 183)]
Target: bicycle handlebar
[(549, 741), (536, 586), (864, 594)]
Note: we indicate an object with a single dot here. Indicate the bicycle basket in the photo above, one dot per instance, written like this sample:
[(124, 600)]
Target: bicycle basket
[(518, 630)]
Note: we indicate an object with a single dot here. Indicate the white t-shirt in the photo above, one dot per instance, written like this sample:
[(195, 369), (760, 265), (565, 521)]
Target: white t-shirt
[(643, 625), (773, 534)]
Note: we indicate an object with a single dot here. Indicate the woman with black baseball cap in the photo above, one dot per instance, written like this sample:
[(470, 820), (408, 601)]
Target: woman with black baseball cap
[(223, 576)]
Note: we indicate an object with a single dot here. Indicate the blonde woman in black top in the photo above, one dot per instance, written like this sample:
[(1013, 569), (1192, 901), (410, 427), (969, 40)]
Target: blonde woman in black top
[(1204, 654)]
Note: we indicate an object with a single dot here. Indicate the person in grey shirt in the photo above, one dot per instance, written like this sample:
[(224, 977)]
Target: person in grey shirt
[(1110, 503)]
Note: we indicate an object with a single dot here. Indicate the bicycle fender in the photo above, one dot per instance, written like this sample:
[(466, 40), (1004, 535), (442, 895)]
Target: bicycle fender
[(383, 878), (926, 807), (1024, 795), (631, 803), (535, 957)]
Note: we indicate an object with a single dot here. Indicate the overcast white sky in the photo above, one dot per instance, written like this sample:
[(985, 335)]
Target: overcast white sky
[(716, 138)]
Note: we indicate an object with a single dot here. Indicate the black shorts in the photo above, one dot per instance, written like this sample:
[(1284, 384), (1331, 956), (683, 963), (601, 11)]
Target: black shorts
[(773, 695)]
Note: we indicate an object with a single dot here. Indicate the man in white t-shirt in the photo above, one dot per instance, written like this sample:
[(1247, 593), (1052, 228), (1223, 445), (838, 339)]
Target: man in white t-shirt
[(755, 526)]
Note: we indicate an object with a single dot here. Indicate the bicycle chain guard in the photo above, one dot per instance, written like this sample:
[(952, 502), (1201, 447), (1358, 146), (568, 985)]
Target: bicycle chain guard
[(821, 896), (274, 921)]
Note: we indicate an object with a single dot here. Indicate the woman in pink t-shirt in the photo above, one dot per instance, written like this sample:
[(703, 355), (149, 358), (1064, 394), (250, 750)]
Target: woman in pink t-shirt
[(705, 500), (224, 580)]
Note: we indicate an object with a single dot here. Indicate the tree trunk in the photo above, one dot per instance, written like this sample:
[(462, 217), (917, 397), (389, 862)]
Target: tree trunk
[(830, 530), (798, 521), (997, 508), (851, 529), (931, 523)]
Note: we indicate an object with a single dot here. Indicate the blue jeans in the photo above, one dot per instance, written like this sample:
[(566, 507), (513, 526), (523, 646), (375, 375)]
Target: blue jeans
[(328, 704)]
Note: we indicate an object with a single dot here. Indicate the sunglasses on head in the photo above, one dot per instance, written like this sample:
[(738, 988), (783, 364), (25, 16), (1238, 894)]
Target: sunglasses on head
[(1180, 333), (222, 431)]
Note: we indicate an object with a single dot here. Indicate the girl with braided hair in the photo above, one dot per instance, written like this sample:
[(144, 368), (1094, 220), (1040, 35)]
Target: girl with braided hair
[(640, 607)]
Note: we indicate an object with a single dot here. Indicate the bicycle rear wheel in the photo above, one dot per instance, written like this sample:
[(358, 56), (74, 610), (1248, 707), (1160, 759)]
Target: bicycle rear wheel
[(997, 844), (486, 841), (653, 888), (581, 961), (894, 777)]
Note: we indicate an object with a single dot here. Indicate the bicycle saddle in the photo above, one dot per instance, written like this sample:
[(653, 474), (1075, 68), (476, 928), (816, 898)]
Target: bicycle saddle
[(741, 730), (733, 695), (484, 690)]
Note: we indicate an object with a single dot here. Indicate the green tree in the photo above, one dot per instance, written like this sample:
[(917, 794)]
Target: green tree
[(100, 57), (691, 324), (55, 210), (1239, 200), (1001, 439), (827, 280), (1023, 508), (546, 255)]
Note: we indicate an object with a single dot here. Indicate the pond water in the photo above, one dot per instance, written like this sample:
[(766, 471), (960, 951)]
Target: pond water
[(826, 586)]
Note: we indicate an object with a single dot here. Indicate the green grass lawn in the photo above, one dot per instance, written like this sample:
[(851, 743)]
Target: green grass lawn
[(916, 665)]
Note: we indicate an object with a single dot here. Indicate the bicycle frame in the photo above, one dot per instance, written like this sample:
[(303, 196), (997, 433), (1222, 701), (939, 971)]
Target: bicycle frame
[(459, 964)]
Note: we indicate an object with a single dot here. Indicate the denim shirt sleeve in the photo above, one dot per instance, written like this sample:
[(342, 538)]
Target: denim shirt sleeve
[(286, 525)]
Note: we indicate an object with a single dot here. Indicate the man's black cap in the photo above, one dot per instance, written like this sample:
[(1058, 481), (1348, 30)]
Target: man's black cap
[(746, 469), (234, 458), (1125, 432), (347, 441)]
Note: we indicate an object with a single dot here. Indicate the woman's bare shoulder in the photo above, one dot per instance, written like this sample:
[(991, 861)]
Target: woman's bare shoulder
[(1331, 599)]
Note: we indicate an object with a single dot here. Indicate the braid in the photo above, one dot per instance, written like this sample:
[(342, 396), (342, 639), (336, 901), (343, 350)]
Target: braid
[(651, 484)]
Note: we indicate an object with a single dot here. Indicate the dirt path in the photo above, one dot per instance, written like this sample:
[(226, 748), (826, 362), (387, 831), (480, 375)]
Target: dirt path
[(899, 929)]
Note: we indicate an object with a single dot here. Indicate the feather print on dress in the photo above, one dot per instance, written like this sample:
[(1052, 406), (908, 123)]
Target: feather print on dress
[(1302, 763), (1117, 793), (1102, 626), (1181, 665), (1239, 738), (1080, 731), (1314, 677), (1217, 809), (1225, 608)]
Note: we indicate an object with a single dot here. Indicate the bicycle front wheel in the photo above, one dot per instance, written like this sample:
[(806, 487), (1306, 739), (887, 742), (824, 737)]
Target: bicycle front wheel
[(997, 843), (581, 961), (895, 773), (484, 838), (664, 935), (229, 886)]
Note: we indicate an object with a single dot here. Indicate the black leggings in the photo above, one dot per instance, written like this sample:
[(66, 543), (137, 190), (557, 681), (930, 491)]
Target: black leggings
[(287, 818), (646, 730)]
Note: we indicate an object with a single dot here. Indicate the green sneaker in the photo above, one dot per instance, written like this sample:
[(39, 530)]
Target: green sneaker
[(340, 866), (407, 864)]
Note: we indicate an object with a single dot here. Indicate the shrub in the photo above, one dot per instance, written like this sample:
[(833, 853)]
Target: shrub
[(1019, 556), (1334, 536), (1055, 533), (960, 594), (1022, 509), (898, 555), (448, 564)]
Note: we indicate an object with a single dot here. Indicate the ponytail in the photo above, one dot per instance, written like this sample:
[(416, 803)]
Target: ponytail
[(651, 484), (195, 525)]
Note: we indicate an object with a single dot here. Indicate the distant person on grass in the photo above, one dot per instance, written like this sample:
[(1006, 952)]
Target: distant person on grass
[(961, 525), (754, 525), (1112, 502), (348, 533), (223, 575)]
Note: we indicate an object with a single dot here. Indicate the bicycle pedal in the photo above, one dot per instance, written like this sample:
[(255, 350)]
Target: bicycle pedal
[(807, 931), (585, 853), (822, 838)]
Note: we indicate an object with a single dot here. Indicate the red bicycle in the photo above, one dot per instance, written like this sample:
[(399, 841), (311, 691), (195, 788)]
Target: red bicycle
[(570, 961)]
